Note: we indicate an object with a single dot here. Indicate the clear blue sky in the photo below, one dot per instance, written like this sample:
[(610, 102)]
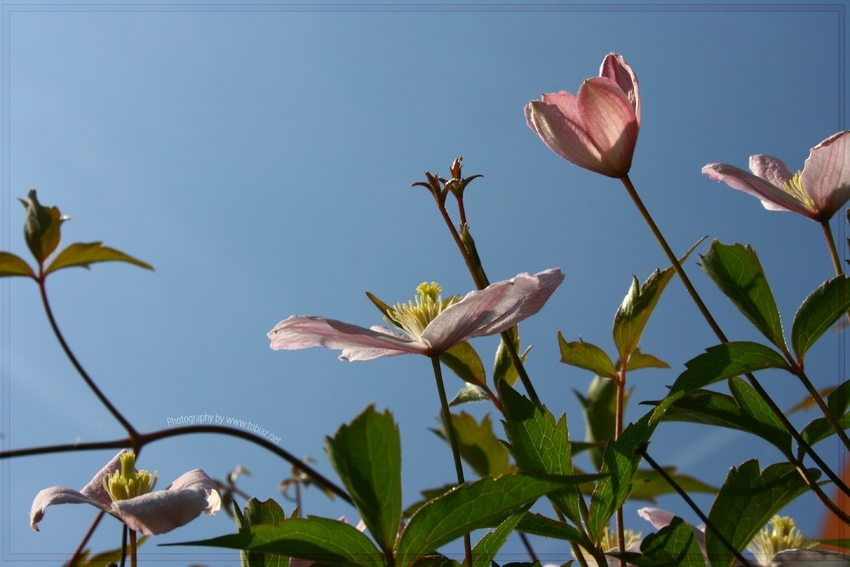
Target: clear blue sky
[(260, 157)]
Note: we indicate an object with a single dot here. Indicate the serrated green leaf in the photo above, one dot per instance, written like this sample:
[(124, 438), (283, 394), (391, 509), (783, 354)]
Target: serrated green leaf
[(484, 552), (11, 265), (536, 524), (736, 270), (649, 484), (838, 402), (540, 445), (818, 312), (674, 545), (465, 362), (620, 463), (719, 363), (639, 360), (768, 426), (599, 408), (82, 254), (638, 305), (587, 356), (481, 504), (479, 446), (42, 229), (330, 542), (366, 455), (259, 513), (503, 366), (720, 410), (746, 502)]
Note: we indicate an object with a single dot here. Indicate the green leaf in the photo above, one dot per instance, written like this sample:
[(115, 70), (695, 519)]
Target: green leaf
[(599, 409), (536, 524), (620, 463), (649, 484), (540, 445), (746, 502), (482, 504), (330, 542), (738, 273), (587, 356), (837, 402), (479, 446), (484, 552), (260, 513), (469, 393), (672, 546), (42, 229), (82, 254), (764, 422), (11, 265), (637, 306), (719, 363), (465, 362), (366, 455), (639, 360), (503, 367), (819, 312), (721, 410)]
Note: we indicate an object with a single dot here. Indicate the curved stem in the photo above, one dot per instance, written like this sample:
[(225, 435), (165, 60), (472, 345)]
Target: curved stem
[(722, 337), (833, 251), (146, 438), (79, 368), (450, 433)]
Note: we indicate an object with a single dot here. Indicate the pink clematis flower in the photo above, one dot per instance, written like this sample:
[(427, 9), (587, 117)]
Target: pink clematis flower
[(597, 129), (817, 192), (127, 494), (431, 326)]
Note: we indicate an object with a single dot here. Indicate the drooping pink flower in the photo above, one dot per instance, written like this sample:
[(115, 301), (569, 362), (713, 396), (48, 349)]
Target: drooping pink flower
[(817, 192), (431, 326), (598, 128), (150, 513)]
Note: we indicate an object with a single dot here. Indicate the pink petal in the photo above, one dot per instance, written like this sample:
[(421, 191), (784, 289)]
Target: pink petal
[(94, 489), (826, 175), (358, 343), (614, 67), (162, 511), (656, 516), (492, 310), (771, 196), (771, 169), (609, 119), (559, 126), (59, 495)]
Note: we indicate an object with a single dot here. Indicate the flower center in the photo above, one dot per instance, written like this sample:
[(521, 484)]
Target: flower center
[(412, 317), (127, 482), (794, 187), (783, 535), (609, 538)]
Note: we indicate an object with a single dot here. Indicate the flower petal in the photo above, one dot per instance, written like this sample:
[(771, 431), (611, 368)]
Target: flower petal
[(826, 175), (162, 511), (771, 169), (771, 196), (358, 343), (609, 119), (492, 310), (58, 495), (555, 119), (614, 67), (95, 489)]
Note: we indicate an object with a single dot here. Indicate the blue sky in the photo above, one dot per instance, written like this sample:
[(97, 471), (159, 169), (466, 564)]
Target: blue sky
[(260, 157)]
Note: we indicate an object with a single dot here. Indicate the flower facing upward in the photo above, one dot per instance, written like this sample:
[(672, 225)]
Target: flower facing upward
[(431, 325), (780, 534), (817, 192), (127, 494), (598, 128)]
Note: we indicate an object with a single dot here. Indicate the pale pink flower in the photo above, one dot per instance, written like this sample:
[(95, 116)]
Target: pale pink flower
[(817, 192), (489, 311), (151, 513), (598, 128)]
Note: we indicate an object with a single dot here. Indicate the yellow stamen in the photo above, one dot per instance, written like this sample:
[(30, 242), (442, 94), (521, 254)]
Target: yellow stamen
[(609, 538), (412, 317), (794, 187), (784, 535), (127, 482)]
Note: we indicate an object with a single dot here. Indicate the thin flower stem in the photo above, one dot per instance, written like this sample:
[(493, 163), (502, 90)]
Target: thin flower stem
[(133, 562), (79, 368), (833, 251), (641, 450), (618, 429), (450, 433), (124, 531), (722, 337)]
